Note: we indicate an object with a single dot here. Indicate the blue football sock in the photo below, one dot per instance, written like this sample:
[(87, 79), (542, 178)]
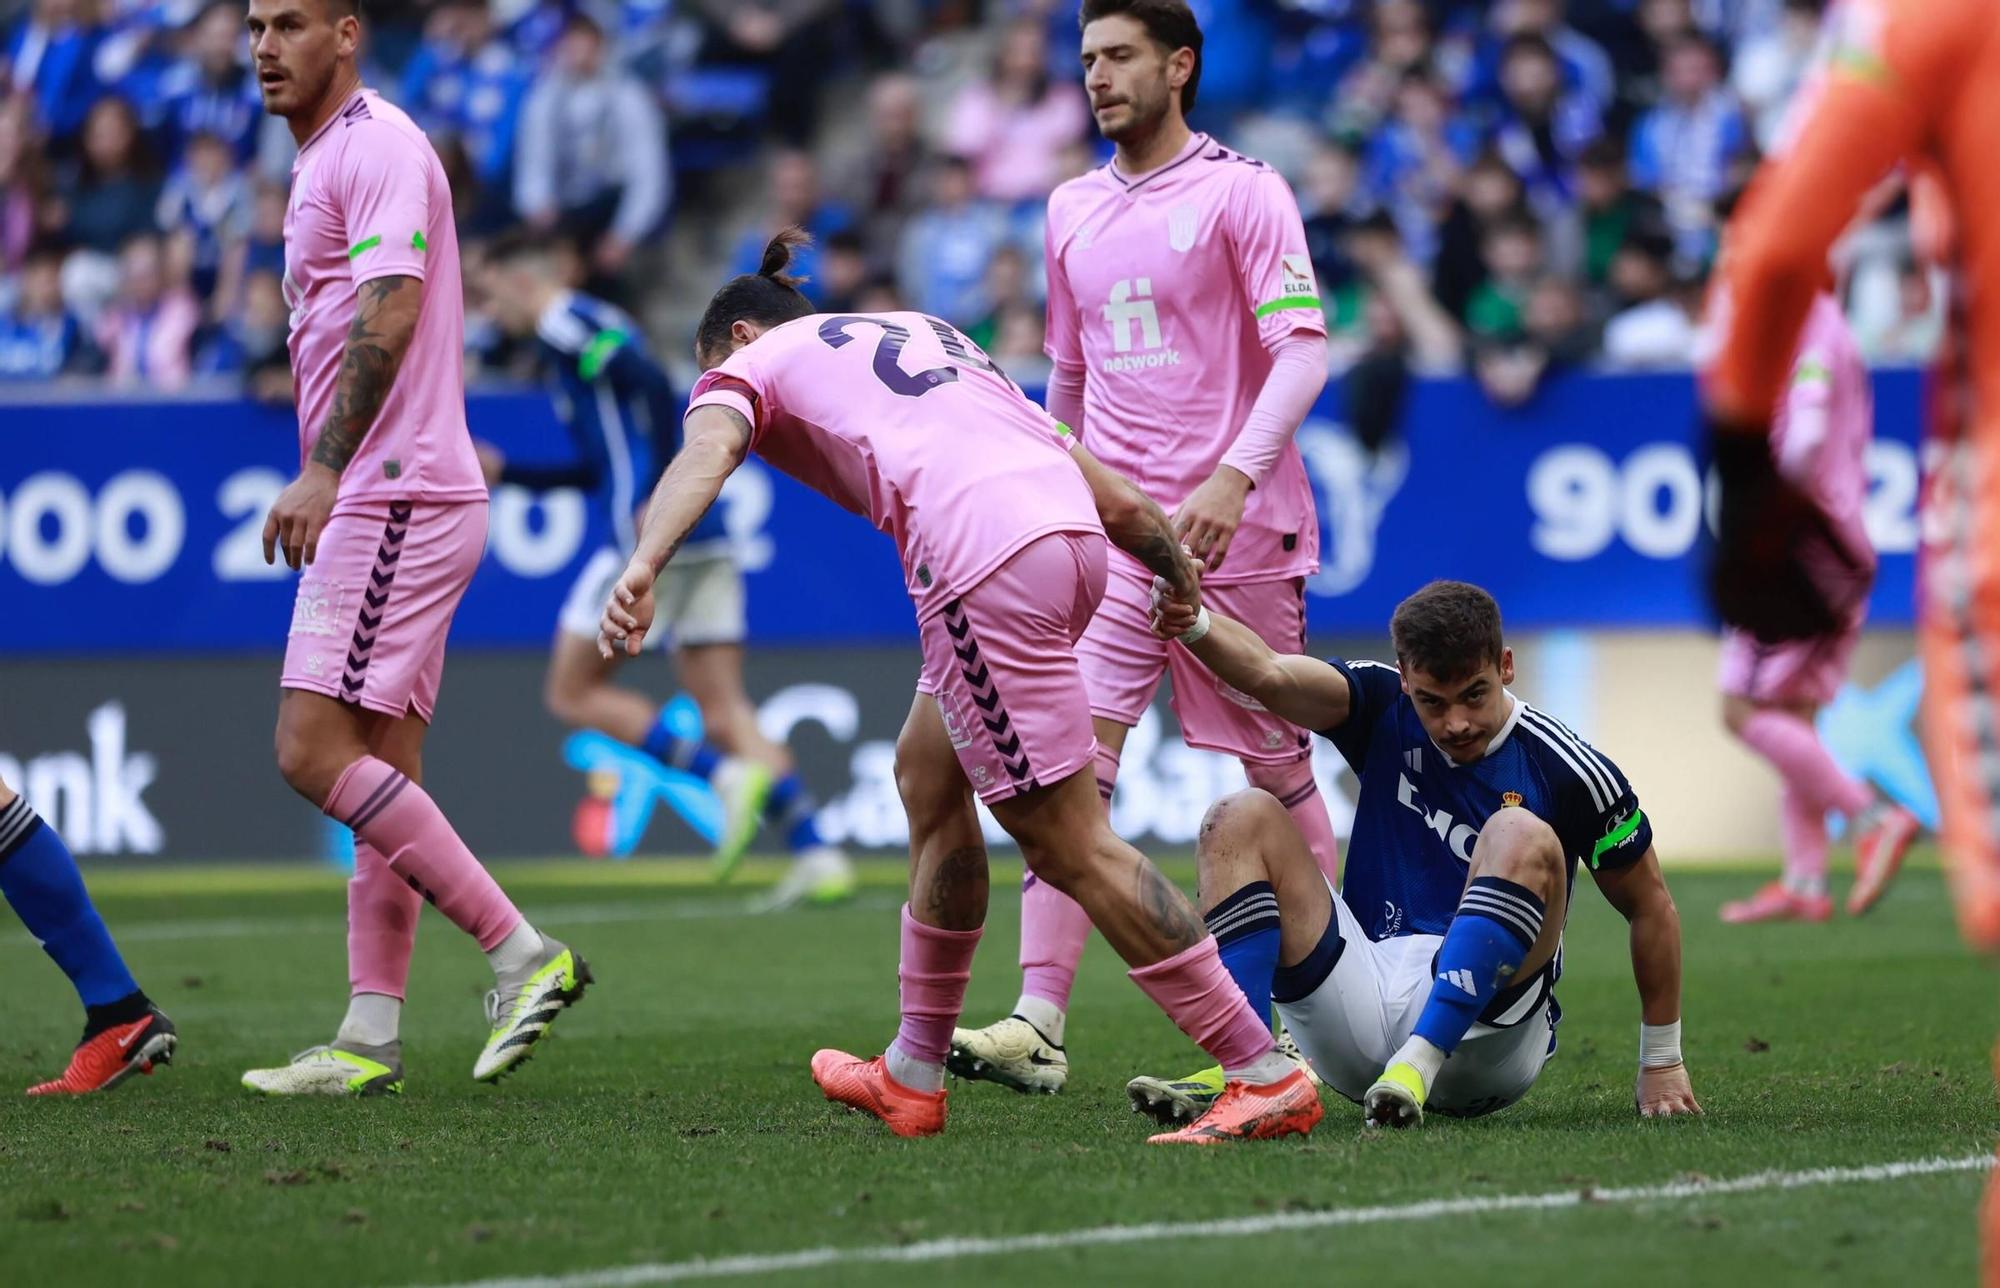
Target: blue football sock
[(686, 754), (39, 878), (792, 807), (1245, 926), (1497, 923)]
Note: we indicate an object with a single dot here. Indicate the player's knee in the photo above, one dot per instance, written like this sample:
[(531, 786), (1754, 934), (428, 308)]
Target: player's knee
[(305, 765), (1521, 847), (928, 788), (1239, 841), (562, 697), (1736, 712)]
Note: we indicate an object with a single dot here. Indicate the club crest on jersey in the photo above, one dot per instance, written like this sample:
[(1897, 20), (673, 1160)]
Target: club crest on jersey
[(1183, 221), (1508, 800)]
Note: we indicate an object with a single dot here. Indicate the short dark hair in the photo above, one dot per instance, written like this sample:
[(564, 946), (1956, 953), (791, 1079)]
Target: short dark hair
[(770, 296), (518, 244), (1447, 630), (1170, 23)]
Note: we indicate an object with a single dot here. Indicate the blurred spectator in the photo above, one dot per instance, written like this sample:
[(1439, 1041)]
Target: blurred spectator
[(1490, 192), (790, 41), (207, 201), (1554, 334), (794, 196), (1583, 70), (251, 342), (592, 154), (212, 90), (1417, 158), (1682, 149), (1543, 128), (1014, 123), (1328, 201), (264, 247), (843, 271), (148, 332), (1006, 288), (1910, 330), (24, 186), (1017, 342), (884, 177), (467, 84), (1611, 208), (1399, 47), (114, 189), (1770, 69), (1513, 256), (1654, 328), (48, 58), (39, 338), (880, 295), (942, 269)]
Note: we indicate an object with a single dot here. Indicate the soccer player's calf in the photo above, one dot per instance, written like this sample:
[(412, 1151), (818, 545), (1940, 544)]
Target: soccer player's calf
[(123, 1032)]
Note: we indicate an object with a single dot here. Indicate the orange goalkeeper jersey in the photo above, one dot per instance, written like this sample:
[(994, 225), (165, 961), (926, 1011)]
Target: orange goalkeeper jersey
[(1910, 80)]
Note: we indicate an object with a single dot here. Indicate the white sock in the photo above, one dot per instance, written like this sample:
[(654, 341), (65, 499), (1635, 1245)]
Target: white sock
[(1266, 1069), (1420, 1055), (917, 1075), (1043, 1014), (1812, 887), (516, 955), (373, 1019)]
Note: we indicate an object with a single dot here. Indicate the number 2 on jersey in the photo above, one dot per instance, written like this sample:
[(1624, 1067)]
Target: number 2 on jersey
[(889, 352)]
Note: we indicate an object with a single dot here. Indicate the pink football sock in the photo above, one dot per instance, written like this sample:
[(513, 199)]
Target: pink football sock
[(1293, 785), (1803, 826), (1793, 747), (935, 967), (1197, 994), (404, 824), (382, 913), (1054, 927)]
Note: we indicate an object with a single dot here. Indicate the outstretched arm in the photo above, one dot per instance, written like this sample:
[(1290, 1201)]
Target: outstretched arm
[(1639, 892), (1136, 524), (716, 443), (385, 317), (1310, 693)]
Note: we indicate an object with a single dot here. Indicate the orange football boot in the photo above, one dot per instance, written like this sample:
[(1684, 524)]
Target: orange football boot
[(107, 1059), (1253, 1111), (866, 1087)]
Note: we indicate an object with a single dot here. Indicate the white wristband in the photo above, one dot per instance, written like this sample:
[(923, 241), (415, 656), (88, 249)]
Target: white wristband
[(1194, 633), (1659, 1045)]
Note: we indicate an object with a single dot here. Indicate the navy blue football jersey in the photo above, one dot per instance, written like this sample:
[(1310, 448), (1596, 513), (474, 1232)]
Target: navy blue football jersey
[(1419, 812)]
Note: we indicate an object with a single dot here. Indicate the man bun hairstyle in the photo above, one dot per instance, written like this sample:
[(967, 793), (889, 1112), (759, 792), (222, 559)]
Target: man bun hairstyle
[(1170, 23), (769, 297), (1449, 630)]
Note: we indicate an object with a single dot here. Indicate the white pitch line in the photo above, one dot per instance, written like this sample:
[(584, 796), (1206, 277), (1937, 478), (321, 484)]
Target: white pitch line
[(579, 914), (1235, 1227)]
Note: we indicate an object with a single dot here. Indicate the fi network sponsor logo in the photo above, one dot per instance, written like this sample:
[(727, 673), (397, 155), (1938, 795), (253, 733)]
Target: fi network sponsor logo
[(1135, 328)]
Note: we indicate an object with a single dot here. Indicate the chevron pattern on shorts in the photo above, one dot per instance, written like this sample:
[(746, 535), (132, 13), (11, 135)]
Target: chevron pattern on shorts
[(979, 678), (374, 601)]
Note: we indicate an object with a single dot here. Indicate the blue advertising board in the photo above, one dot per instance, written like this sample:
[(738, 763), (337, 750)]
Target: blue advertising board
[(135, 526)]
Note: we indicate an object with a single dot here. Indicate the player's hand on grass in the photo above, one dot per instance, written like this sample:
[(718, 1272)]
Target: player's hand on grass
[(1206, 522), (1779, 568), (628, 613), (1665, 1092), (299, 516)]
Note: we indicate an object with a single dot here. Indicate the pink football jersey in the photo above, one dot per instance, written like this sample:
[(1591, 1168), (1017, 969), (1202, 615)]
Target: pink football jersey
[(898, 417), (369, 199), (1167, 290), (1826, 421)]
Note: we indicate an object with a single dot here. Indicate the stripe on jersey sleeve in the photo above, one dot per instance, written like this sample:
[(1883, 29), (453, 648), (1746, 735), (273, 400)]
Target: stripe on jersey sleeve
[(1594, 764), (1283, 302), (363, 246), (1541, 734)]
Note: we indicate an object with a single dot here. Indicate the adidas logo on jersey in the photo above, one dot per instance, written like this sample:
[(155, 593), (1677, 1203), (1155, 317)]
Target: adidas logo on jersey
[(1460, 979)]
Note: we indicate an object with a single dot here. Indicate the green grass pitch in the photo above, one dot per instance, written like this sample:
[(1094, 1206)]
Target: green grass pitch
[(672, 1117)]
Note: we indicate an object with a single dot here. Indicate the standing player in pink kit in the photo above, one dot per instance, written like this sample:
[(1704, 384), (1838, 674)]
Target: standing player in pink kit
[(387, 520), (1185, 327), (1001, 521), (1773, 692)]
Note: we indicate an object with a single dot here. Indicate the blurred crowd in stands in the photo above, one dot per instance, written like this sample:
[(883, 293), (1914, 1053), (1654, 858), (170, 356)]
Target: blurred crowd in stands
[(1509, 188)]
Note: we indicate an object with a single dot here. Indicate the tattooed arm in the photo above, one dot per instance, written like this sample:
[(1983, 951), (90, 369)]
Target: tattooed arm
[(1138, 526), (717, 440), (385, 317)]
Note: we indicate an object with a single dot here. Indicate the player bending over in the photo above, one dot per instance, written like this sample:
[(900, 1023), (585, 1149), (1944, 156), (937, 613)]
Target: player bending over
[(1185, 329), (1001, 522), (1772, 692), (621, 411), (387, 519), (1429, 979), (123, 1032)]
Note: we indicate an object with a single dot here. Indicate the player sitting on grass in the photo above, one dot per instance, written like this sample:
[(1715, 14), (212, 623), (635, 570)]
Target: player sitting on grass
[(1428, 980), (123, 1032)]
